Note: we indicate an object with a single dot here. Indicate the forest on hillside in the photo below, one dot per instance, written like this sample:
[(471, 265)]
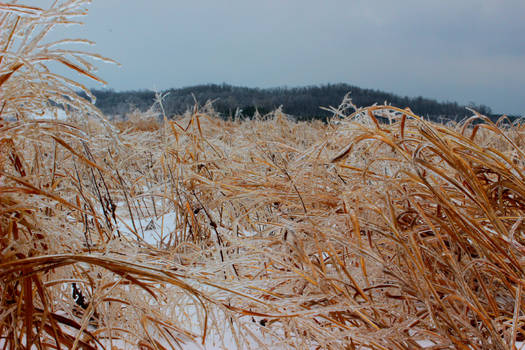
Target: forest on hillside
[(302, 102)]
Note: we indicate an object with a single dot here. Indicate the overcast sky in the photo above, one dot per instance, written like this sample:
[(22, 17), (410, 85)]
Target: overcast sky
[(467, 50)]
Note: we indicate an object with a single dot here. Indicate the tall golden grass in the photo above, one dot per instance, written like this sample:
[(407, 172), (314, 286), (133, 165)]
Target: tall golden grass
[(65, 281), (377, 230)]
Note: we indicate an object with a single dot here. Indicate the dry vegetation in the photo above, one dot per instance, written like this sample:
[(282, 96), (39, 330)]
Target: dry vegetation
[(354, 234)]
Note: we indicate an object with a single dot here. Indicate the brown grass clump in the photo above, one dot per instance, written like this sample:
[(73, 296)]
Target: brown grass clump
[(64, 280), (358, 233), (27, 84), (138, 121), (377, 230)]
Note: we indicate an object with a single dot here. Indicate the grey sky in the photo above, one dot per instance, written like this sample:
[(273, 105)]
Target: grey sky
[(467, 50)]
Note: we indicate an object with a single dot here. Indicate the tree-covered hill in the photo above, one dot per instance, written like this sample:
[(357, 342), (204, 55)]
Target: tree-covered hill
[(302, 102)]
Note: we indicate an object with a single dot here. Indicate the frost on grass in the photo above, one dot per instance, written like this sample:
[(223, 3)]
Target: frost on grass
[(164, 232), (272, 232)]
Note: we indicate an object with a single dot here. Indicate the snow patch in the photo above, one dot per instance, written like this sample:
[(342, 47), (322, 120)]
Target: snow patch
[(51, 114)]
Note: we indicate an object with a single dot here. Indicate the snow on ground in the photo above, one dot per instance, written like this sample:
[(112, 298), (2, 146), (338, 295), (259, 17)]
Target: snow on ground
[(51, 114), (153, 230)]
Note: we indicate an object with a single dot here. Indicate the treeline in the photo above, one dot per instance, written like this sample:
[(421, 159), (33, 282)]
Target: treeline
[(301, 102)]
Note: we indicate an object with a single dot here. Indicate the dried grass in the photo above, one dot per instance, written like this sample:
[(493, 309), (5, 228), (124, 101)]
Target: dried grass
[(378, 230)]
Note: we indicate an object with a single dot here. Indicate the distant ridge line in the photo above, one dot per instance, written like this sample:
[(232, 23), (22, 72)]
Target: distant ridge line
[(302, 102)]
